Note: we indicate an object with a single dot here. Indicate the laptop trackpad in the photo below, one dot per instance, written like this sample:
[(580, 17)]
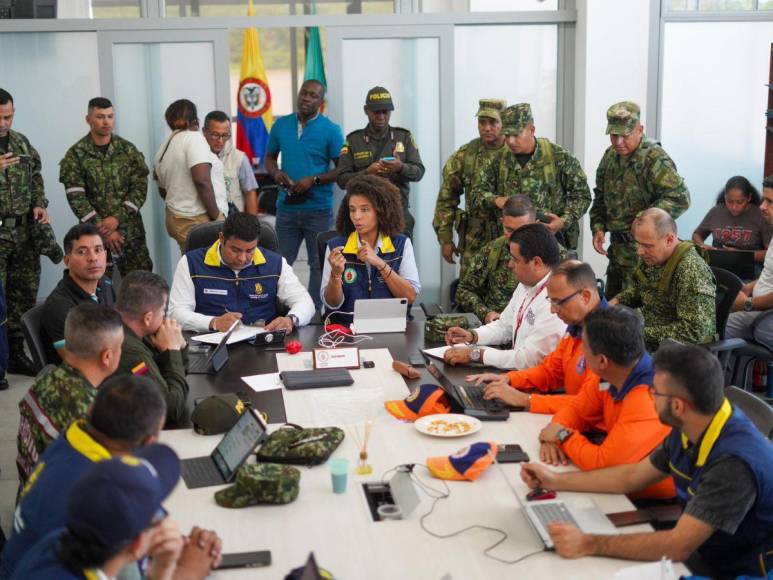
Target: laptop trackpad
[(590, 517)]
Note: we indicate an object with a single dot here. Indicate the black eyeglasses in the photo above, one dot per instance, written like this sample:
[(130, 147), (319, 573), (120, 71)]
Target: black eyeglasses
[(560, 303), (654, 393)]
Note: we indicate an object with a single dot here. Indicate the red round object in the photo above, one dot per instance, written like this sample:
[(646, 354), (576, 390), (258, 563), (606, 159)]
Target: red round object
[(294, 347)]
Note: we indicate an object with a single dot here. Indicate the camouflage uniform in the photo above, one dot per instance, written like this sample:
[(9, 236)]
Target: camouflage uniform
[(487, 285), (677, 299), (478, 223), (112, 182), (624, 187), (21, 189), (552, 177), (51, 404)]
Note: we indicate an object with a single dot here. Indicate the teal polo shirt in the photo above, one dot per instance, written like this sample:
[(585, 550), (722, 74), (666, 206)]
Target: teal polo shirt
[(306, 153)]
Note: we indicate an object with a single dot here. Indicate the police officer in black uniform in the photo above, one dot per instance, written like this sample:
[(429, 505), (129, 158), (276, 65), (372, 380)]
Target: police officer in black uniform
[(380, 149)]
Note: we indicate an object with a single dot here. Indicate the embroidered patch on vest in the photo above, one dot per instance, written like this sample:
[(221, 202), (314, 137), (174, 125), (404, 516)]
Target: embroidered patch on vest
[(580, 366), (350, 275), (216, 291), (258, 288)]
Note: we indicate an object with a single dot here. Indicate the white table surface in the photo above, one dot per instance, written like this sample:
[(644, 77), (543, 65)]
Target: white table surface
[(339, 528)]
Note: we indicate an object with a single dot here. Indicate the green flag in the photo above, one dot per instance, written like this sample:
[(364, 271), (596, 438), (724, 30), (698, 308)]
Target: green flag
[(315, 64)]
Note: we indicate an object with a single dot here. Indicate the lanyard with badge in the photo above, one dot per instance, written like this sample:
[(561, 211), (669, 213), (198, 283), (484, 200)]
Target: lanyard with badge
[(523, 309)]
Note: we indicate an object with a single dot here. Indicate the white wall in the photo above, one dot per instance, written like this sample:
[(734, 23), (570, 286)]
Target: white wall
[(611, 60), (714, 100)]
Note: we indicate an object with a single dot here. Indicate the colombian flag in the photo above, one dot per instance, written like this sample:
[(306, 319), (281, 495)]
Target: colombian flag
[(254, 116)]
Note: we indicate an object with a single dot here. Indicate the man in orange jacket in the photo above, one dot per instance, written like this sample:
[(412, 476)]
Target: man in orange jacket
[(573, 294), (620, 406)]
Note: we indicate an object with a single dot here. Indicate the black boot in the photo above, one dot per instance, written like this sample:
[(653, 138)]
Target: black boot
[(4, 384), (18, 361)]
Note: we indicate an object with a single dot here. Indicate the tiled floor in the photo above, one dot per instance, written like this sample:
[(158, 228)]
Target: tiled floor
[(9, 424)]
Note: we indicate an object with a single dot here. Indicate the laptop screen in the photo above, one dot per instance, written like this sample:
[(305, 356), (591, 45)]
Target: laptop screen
[(238, 443)]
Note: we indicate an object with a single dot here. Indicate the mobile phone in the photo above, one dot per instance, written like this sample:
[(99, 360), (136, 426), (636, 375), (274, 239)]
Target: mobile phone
[(387, 159), (511, 454), (622, 519), (23, 159), (416, 360), (541, 217), (246, 560)]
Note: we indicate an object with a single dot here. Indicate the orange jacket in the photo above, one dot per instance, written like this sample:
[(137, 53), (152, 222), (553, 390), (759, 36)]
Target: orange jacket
[(629, 420), (564, 368)]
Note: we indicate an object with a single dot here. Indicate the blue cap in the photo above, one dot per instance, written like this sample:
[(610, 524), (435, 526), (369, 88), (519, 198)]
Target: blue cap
[(117, 499)]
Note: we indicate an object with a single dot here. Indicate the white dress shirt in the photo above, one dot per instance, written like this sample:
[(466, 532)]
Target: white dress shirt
[(536, 336), (182, 298)]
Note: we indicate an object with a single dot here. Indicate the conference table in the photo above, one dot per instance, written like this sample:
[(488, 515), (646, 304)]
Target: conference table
[(339, 528)]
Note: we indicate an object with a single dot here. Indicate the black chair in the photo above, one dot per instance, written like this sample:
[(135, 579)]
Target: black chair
[(747, 354), (452, 288), (204, 235), (760, 413), (322, 239), (30, 327), (728, 287)]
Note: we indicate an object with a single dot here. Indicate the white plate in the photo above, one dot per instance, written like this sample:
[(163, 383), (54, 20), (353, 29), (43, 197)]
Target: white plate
[(426, 425)]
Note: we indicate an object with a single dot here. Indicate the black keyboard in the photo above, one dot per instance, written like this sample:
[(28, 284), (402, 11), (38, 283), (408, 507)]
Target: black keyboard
[(198, 364), (200, 472), (473, 398)]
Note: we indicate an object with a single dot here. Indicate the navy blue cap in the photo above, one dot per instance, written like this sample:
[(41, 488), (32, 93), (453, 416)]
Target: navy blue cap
[(117, 499)]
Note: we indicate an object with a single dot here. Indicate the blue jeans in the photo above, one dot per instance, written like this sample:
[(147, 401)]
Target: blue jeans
[(292, 227)]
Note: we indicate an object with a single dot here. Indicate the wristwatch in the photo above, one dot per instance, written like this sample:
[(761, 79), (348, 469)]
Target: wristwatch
[(748, 304), (563, 434), (476, 354), (294, 319), (317, 180)]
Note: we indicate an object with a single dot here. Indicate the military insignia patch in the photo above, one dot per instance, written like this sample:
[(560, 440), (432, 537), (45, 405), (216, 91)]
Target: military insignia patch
[(362, 155), (399, 147), (350, 275), (258, 288)]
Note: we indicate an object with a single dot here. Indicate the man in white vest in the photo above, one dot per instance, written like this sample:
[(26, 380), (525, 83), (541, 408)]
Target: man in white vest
[(239, 177)]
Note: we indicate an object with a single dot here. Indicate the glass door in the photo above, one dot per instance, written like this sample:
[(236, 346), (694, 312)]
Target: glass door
[(142, 72)]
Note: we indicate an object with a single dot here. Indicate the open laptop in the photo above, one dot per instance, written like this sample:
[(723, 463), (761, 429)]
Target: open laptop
[(740, 263), (221, 465), (539, 514), (375, 315), (209, 364), (468, 399)]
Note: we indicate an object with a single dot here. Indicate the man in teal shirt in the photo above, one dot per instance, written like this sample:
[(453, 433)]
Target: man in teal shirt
[(308, 142)]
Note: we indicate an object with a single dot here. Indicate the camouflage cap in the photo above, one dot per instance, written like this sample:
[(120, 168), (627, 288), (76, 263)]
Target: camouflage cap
[(515, 118), (379, 99), (491, 108), (217, 414), (261, 483), (623, 118), (435, 328), (43, 240)]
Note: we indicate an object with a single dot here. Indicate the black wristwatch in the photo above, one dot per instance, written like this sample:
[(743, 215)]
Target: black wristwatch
[(294, 319), (563, 434), (317, 180)]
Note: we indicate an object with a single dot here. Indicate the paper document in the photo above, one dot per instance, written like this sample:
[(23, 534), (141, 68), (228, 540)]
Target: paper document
[(238, 335), (439, 351), (265, 382), (663, 570)]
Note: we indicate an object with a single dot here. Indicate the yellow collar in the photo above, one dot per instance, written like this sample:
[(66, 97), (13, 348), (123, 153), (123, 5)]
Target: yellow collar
[(353, 244), (212, 258), (712, 433), (84, 444)]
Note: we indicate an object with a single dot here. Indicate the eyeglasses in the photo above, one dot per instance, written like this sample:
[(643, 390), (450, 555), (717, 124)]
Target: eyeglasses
[(220, 136), (654, 393), (560, 303)]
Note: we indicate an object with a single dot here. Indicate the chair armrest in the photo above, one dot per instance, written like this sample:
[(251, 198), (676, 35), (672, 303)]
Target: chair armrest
[(725, 345)]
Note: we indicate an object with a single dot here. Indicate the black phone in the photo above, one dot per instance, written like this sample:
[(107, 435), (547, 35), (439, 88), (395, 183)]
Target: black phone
[(416, 360), (622, 519), (541, 217), (246, 560), (511, 454)]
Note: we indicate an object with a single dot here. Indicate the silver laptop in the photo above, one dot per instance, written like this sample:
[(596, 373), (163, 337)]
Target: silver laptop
[(375, 315), (539, 514)]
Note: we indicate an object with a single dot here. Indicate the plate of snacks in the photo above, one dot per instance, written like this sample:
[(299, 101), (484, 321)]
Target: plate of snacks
[(447, 425)]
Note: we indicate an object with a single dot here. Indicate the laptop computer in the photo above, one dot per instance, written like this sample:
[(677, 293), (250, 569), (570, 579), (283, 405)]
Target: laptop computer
[(468, 399), (203, 364), (221, 465), (375, 315), (539, 514), (740, 263)]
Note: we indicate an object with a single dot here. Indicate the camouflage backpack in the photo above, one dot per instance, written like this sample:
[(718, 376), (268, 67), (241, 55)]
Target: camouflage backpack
[(435, 328), (298, 446), (261, 483)]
